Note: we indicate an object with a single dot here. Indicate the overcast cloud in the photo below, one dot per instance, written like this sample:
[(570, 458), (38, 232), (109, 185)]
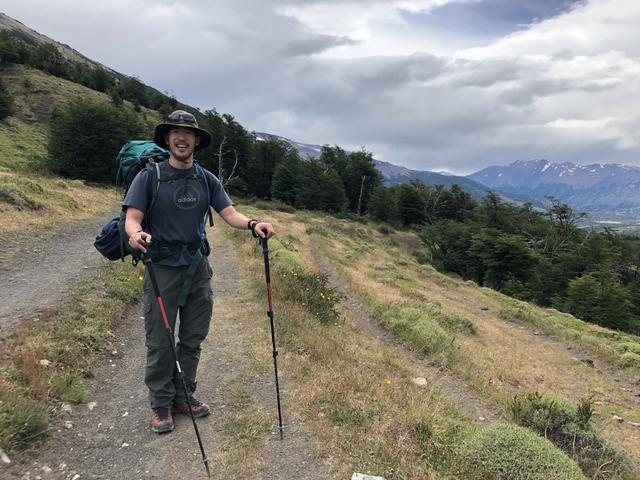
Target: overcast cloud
[(452, 85)]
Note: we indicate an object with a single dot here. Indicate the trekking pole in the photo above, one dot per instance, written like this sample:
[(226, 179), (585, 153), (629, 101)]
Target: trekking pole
[(265, 253), (156, 290)]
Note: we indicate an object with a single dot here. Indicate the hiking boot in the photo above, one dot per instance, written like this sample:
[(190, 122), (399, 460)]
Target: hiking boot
[(162, 420), (198, 408)]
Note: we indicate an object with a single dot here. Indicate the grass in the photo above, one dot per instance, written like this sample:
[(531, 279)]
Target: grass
[(429, 310), (349, 391), (45, 360)]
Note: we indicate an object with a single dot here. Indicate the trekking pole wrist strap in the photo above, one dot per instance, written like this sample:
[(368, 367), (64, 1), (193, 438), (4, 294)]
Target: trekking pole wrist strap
[(251, 225)]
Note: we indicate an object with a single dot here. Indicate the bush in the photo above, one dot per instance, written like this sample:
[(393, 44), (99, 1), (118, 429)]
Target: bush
[(85, 138), (569, 427), (22, 422), (312, 291), (6, 102), (505, 451), (416, 327)]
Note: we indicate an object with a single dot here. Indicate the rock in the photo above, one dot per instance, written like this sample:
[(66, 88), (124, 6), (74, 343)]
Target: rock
[(618, 419), (76, 477), (46, 469), (44, 362), (634, 424), (124, 445), (91, 406), (362, 476), (125, 414), (68, 425), (66, 408), (420, 381), (114, 352), (4, 457), (482, 419)]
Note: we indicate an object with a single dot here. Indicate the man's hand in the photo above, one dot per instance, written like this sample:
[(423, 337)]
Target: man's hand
[(139, 240), (264, 230)]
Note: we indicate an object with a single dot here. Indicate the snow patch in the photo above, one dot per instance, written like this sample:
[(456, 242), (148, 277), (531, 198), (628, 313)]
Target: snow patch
[(546, 165)]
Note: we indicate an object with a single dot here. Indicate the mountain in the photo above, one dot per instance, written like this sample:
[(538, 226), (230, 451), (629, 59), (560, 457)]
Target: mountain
[(607, 189), (33, 38), (392, 174)]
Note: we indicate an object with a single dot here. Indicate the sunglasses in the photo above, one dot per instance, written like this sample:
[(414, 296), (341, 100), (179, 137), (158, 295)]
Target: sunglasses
[(182, 117)]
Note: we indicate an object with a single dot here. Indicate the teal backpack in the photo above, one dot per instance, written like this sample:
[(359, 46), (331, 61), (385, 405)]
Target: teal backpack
[(135, 156)]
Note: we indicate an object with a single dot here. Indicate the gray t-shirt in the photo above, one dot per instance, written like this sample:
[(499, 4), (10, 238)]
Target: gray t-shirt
[(180, 207)]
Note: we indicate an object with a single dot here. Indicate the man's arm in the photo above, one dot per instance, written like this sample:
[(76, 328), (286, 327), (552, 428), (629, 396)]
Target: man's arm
[(238, 220), (138, 239)]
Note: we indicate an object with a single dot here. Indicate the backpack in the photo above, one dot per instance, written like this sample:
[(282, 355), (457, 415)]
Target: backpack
[(135, 156)]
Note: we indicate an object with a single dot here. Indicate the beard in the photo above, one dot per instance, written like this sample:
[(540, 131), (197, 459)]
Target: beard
[(182, 155)]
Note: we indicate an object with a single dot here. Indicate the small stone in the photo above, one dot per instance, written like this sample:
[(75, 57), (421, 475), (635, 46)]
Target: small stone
[(536, 333), (618, 419), (76, 477), (482, 419), (92, 405), (420, 381), (44, 362), (46, 469), (634, 424), (68, 425), (4, 457), (62, 466), (66, 408), (114, 352), (125, 414), (38, 477), (124, 445), (362, 476)]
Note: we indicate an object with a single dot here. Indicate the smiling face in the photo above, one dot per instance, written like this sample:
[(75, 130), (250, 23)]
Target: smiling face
[(182, 142)]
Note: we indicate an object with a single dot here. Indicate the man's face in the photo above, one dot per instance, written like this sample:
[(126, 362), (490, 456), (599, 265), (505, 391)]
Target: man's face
[(182, 142)]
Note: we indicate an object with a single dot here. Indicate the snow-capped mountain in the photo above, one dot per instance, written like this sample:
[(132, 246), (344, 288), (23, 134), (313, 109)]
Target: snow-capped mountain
[(602, 188)]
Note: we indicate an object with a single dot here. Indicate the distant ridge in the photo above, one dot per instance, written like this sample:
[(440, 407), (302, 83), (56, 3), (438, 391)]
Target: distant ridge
[(607, 189), (392, 174)]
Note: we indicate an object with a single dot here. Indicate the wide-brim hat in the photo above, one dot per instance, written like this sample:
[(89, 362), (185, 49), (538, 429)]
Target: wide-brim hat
[(180, 118)]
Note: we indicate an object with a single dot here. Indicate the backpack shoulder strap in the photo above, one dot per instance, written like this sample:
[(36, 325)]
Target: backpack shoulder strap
[(202, 172), (153, 183)]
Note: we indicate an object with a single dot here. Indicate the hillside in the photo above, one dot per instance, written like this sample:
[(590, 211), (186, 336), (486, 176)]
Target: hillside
[(387, 366)]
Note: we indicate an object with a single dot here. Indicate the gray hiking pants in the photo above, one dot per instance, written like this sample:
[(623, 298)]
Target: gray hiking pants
[(160, 374)]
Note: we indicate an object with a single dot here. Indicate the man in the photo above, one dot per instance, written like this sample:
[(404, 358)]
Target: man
[(172, 230)]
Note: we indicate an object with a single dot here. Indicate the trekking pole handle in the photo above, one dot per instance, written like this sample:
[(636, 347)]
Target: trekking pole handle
[(265, 253)]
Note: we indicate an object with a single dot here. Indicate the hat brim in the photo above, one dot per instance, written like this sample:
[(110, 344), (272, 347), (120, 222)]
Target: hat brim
[(163, 128)]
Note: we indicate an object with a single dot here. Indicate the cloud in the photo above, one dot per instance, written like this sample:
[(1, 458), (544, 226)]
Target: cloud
[(430, 84)]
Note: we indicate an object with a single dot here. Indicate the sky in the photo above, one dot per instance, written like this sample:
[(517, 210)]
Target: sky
[(441, 85)]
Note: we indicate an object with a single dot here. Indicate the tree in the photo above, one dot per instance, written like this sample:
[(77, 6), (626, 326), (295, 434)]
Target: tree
[(411, 204), (320, 189), (287, 179), (598, 297), (502, 256), (267, 154), (85, 137), (383, 205), (6, 101)]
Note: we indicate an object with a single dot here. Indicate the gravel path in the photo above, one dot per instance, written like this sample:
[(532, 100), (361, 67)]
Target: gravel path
[(39, 271), (110, 437)]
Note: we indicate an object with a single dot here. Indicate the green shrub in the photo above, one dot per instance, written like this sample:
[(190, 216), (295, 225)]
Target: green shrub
[(629, 359), (312, 291), (416, 327), (14, 195), (505, 451), (6, 102), (22, 422), (569, 427)]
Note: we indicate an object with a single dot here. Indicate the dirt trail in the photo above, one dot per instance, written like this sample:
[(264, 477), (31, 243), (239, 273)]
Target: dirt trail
[(36, 272), (114, 441), (457, 391)]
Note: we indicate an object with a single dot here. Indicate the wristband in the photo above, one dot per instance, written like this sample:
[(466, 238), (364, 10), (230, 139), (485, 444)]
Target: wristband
[(249, 227)]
